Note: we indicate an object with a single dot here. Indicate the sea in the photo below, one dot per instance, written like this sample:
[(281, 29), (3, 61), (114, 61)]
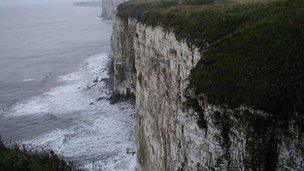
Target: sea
[(54, 61)]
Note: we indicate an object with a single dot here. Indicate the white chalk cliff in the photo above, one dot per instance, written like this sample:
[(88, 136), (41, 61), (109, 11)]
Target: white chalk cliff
[(152, 65)]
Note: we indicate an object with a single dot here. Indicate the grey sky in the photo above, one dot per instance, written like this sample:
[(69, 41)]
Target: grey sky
[(3, 2)]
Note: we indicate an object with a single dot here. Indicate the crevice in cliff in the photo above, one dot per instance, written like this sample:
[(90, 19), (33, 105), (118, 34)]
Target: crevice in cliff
[(261, 141), (223, 122), (261, 136), (193, 103)]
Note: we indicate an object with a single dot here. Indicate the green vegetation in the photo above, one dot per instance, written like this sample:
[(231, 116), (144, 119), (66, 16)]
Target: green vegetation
[(252, 52), (259, 64), (16, 159)]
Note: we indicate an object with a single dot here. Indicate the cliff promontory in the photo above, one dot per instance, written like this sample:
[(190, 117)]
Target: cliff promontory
[(109, 8), (218, 85)]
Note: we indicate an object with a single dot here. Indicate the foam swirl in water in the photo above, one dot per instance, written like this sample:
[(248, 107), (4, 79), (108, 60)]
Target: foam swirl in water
[(100, 135)]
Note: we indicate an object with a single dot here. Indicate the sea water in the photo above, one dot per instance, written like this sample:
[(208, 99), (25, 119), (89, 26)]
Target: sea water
[(53, 92)]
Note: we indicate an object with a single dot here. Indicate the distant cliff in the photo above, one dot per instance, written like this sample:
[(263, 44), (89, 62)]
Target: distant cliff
[(109, 8), (217, 87), (88, 3)]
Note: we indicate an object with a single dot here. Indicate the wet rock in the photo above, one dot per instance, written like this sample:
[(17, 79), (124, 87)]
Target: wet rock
[(115, 97), (100, 98), (130, 151), (104, 80), (95, 81), (88, 87)]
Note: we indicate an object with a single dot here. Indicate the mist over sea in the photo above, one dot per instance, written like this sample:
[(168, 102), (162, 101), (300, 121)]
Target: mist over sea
[(53, 67)]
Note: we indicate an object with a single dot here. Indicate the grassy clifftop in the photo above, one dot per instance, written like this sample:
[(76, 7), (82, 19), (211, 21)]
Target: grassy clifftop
[(253, 51)]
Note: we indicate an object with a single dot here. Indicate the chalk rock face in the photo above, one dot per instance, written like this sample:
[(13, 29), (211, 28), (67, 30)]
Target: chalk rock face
[(151, 64), (123, 57), (109, 8)]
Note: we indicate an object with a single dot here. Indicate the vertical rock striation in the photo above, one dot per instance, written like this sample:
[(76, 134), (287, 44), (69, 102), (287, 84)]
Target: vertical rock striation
[(151, 64), (123, 57)]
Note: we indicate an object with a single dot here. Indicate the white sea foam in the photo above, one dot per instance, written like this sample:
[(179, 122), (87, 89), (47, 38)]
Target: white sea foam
[(100, 135), (68, 97), (28, 80)]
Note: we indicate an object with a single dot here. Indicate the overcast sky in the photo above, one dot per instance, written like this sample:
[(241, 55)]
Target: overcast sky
[(34, 1)]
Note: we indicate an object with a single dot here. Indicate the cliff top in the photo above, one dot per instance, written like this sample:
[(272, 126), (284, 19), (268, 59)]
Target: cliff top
[(252, 52), (202, 21)]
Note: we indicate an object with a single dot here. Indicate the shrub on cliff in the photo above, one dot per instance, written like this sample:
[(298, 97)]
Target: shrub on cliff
[(15, 158)]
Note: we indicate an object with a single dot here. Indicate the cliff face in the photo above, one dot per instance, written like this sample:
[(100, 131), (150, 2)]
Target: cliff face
[(123, 58), (109, 8), (153, 65)]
